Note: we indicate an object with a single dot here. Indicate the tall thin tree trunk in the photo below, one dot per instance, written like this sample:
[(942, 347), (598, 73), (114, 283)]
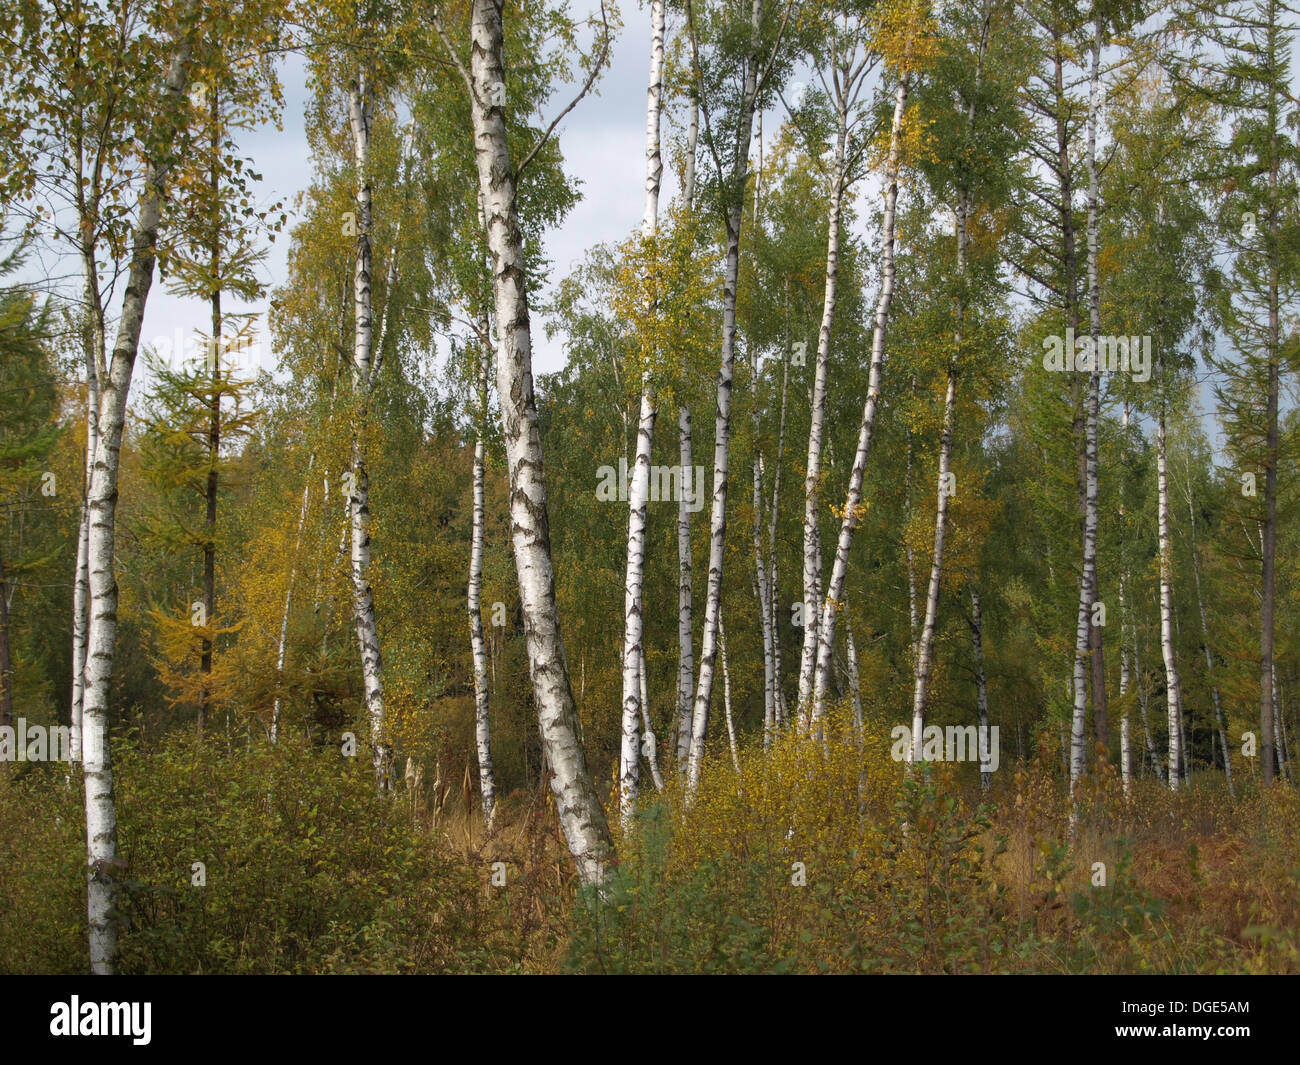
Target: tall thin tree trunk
[(913, 612), (1080, 434), (726, 699), (853, 500), (211, 489), (581, 817), (482, 721), (101, 813), (685, 648), (816, 425), (360, 96), (855, 679), (1268, 534), (778, 694), (685, 561), (1125, 670), (282, 647), (649, 744), (926, 643), (761, 575), (94, 342), (1288, 769), (638, 495), (722, 422), (1172, 684), (1101, 729)]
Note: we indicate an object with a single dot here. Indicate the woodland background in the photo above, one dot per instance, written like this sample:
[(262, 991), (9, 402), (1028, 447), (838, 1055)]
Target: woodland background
[(295, 593)]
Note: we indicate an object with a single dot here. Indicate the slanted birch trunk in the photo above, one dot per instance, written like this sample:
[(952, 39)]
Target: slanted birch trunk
[(853, 499), (282, 647), (581, 818)]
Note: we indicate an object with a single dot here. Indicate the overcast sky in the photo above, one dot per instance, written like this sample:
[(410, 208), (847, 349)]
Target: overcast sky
[(603, 141)]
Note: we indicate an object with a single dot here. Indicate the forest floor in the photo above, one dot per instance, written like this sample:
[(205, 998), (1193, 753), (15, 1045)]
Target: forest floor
[(813, 859)]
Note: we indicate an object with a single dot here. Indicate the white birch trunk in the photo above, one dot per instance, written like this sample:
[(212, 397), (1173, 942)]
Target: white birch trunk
[(722, 427), (853, 500), (363, 603), (1088, 575), (581, 817), (282, 647), (855, 681), (778, 689), (638, 495), (1172, 686), (95, 370), (761, 575), (482, 720), (925, 644), (921, 676), (816, 428), (102, 496), (1125, 672), (685, 647), (726, 699)]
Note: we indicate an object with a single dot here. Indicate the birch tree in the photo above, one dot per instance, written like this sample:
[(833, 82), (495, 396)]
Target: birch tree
[(843, 79), (101, 815), (638, 494), (581, 816), (905, 40), (722, 51)]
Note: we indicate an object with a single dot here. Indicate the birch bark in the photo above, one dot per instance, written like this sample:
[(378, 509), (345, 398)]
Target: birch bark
[(638, 494), (360, 97), (685, 644), (722, 421), (101, 814), (1172, 683), (816, 424), (482, 720), (581, 817), (853, 501)]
